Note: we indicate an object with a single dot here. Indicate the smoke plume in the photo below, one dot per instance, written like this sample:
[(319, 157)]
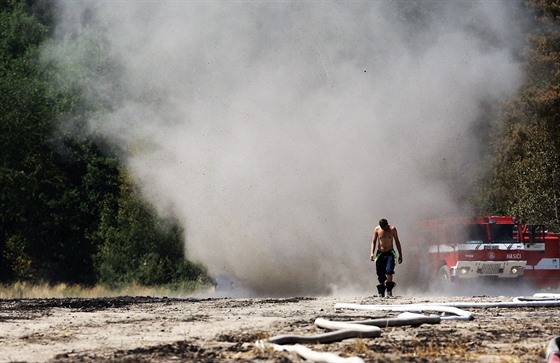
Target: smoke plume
[(279, 133)]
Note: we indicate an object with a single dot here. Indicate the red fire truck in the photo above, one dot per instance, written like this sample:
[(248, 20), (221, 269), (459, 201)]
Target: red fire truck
[(491, 246)]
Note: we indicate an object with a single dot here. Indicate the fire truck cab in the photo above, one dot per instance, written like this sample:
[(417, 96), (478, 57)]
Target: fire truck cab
[(491, 246), (542, 252)]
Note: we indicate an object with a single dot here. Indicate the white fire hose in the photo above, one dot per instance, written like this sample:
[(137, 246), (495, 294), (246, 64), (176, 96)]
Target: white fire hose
[(372, 328), (442, 308), (341, 330), (308, 354)]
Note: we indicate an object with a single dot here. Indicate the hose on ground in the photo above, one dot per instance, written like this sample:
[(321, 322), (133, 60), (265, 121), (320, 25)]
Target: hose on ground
[(308, 354), (325, 338), (341, 330), (372, 327), (517, 302), (403, 319), (458, 314), (354, 329), (538, 300)]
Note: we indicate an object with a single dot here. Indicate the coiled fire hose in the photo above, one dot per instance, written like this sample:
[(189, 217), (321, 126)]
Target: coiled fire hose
[(341, 330), (354, 329), (372, 328)]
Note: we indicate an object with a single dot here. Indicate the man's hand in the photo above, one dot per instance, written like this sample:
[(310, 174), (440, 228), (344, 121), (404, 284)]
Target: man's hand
[(400, 259), (372, 257)]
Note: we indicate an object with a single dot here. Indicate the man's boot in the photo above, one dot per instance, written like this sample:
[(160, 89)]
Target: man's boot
[(390, 286), (381, 290)]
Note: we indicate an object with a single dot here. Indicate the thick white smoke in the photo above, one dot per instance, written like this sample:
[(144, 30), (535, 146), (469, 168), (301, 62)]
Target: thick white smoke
[(279, 133)]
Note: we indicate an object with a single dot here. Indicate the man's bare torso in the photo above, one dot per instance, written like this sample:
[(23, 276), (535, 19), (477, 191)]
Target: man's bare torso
[(385, 238)]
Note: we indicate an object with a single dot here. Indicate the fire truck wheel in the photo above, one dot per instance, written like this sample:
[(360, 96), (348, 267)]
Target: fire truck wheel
[(443, 275)]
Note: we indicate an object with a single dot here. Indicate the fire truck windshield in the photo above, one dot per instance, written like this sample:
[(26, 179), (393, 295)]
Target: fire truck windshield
[(503, 233), (476, 233)]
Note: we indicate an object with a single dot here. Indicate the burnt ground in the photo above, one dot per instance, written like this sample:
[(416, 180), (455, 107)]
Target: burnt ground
[(157, 329)]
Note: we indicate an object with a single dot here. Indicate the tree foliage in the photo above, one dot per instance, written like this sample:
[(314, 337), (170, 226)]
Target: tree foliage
[(67, 212), (137, 246), (524, 174)]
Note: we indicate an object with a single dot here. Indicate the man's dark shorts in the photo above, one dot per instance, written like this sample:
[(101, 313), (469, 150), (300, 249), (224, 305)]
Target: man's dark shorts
[(385, 264)]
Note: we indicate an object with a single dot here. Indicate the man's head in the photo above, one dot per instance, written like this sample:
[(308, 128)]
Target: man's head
[(383, 223)]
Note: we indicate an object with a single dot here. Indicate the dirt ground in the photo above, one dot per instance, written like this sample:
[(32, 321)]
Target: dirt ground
[(159, 329)]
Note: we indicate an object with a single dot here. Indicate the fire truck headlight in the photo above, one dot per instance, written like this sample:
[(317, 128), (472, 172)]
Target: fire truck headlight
[(464, 270), (515, 270)]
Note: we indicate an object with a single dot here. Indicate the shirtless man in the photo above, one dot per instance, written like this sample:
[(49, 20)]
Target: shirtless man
[(386, 255)]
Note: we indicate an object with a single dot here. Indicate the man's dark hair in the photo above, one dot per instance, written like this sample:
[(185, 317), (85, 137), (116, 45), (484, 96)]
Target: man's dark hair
[(383, 223)]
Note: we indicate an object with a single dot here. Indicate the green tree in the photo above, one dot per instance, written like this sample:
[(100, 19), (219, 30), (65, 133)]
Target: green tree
[(24, 122), (523, 179), (138, 247), (52, 187)]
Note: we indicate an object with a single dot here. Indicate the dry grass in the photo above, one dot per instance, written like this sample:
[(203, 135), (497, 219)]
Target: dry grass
[(262, 346), (24, 290), (360, 347), (433, 350)]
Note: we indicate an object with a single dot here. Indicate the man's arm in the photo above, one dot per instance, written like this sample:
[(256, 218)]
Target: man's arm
[(373, 244), (398, 243)]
